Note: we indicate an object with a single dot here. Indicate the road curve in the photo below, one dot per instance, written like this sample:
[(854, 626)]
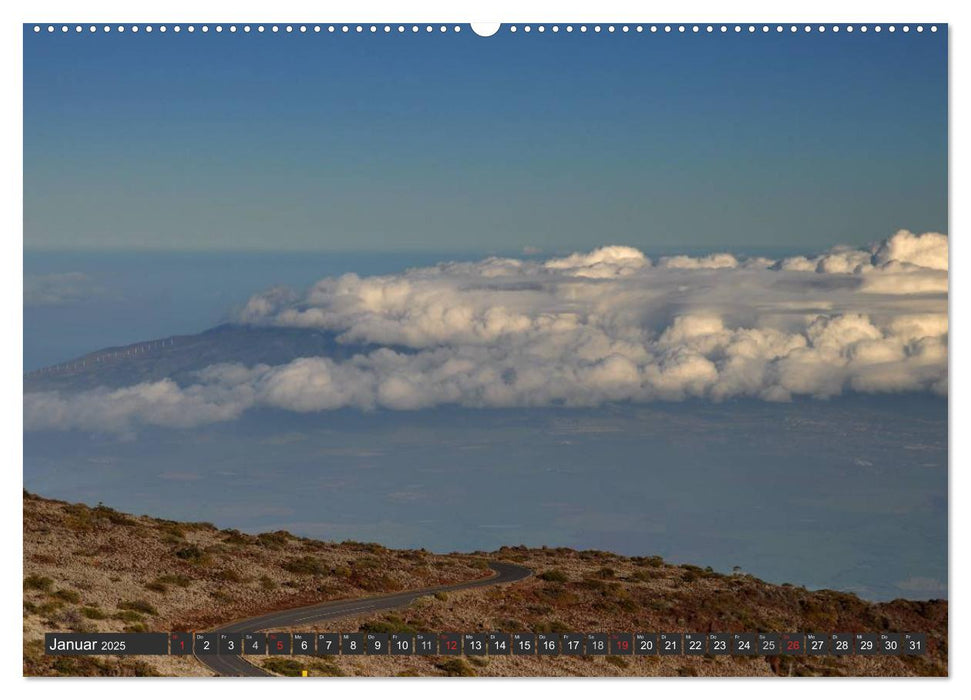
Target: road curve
[(310, 614)]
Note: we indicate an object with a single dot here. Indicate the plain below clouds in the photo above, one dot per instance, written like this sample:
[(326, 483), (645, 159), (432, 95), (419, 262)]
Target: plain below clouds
[(589, 328), (59, 289)]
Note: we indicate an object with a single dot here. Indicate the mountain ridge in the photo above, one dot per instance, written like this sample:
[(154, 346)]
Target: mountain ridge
[(178, 357)]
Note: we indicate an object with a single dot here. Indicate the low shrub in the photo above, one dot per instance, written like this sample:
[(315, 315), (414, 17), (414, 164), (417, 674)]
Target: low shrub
[(237, 537), (113, 516), (191, 553), (455, 667), (306, 565), (228, 575), (390, 624), (127, 616), (38, 583), (175, 580), (67, 595), (93, 613), (555, 576), (142, 606), (273, 540), (285, 667)]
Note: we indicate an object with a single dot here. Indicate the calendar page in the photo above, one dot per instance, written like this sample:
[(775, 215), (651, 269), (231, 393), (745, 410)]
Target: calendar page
[(517, 349)]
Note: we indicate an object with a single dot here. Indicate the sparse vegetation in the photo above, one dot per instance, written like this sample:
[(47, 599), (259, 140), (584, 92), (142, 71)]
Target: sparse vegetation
[(112, 516), (556, 575), (284, 667), (305, 565), (390, 624), (67, 595), (228, 575), (172, 532), (273, 540), (240, 538), (141, 606), (127, 616), (93, 613), (455, 667), (79, 588), (38, 583), (295, 667), (191, 553), (617, 661)]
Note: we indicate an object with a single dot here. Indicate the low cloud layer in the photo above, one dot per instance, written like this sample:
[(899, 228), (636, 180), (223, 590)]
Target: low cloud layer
[(582, 330)]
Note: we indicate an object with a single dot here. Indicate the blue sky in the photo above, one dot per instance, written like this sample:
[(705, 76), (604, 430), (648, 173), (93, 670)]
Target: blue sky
[(456, 142)]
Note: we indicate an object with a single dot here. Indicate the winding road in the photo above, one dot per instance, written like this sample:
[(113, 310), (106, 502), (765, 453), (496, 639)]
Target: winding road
[(303, 617)]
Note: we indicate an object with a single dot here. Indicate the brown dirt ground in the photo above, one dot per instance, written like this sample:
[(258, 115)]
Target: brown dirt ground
[(94, 569)]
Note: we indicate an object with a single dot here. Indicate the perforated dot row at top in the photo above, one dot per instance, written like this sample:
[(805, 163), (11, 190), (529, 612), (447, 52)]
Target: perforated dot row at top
[(513, 28), (718, 28), (248, 28)]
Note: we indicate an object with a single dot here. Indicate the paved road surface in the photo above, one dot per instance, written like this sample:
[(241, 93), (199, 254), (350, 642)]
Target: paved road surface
[(306, 616)]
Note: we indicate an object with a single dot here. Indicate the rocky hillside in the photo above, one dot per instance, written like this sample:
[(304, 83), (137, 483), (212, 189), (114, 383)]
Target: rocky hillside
[(593, 591), (97, 569)]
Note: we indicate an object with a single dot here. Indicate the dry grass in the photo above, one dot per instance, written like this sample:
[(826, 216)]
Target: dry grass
[(93, 569), (599, 591)]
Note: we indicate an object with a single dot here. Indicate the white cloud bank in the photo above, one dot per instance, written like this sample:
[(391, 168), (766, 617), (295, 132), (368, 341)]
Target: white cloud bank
[(609, 325)]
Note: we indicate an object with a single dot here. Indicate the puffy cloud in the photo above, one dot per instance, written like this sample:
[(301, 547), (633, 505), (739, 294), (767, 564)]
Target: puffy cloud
[(267, 304), (161, 403), (928, 250), (903, 251), (716, 261), (609, 261), (581, 330)]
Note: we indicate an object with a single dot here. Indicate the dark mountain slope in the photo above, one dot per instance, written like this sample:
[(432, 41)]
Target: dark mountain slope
[(179, 357)]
